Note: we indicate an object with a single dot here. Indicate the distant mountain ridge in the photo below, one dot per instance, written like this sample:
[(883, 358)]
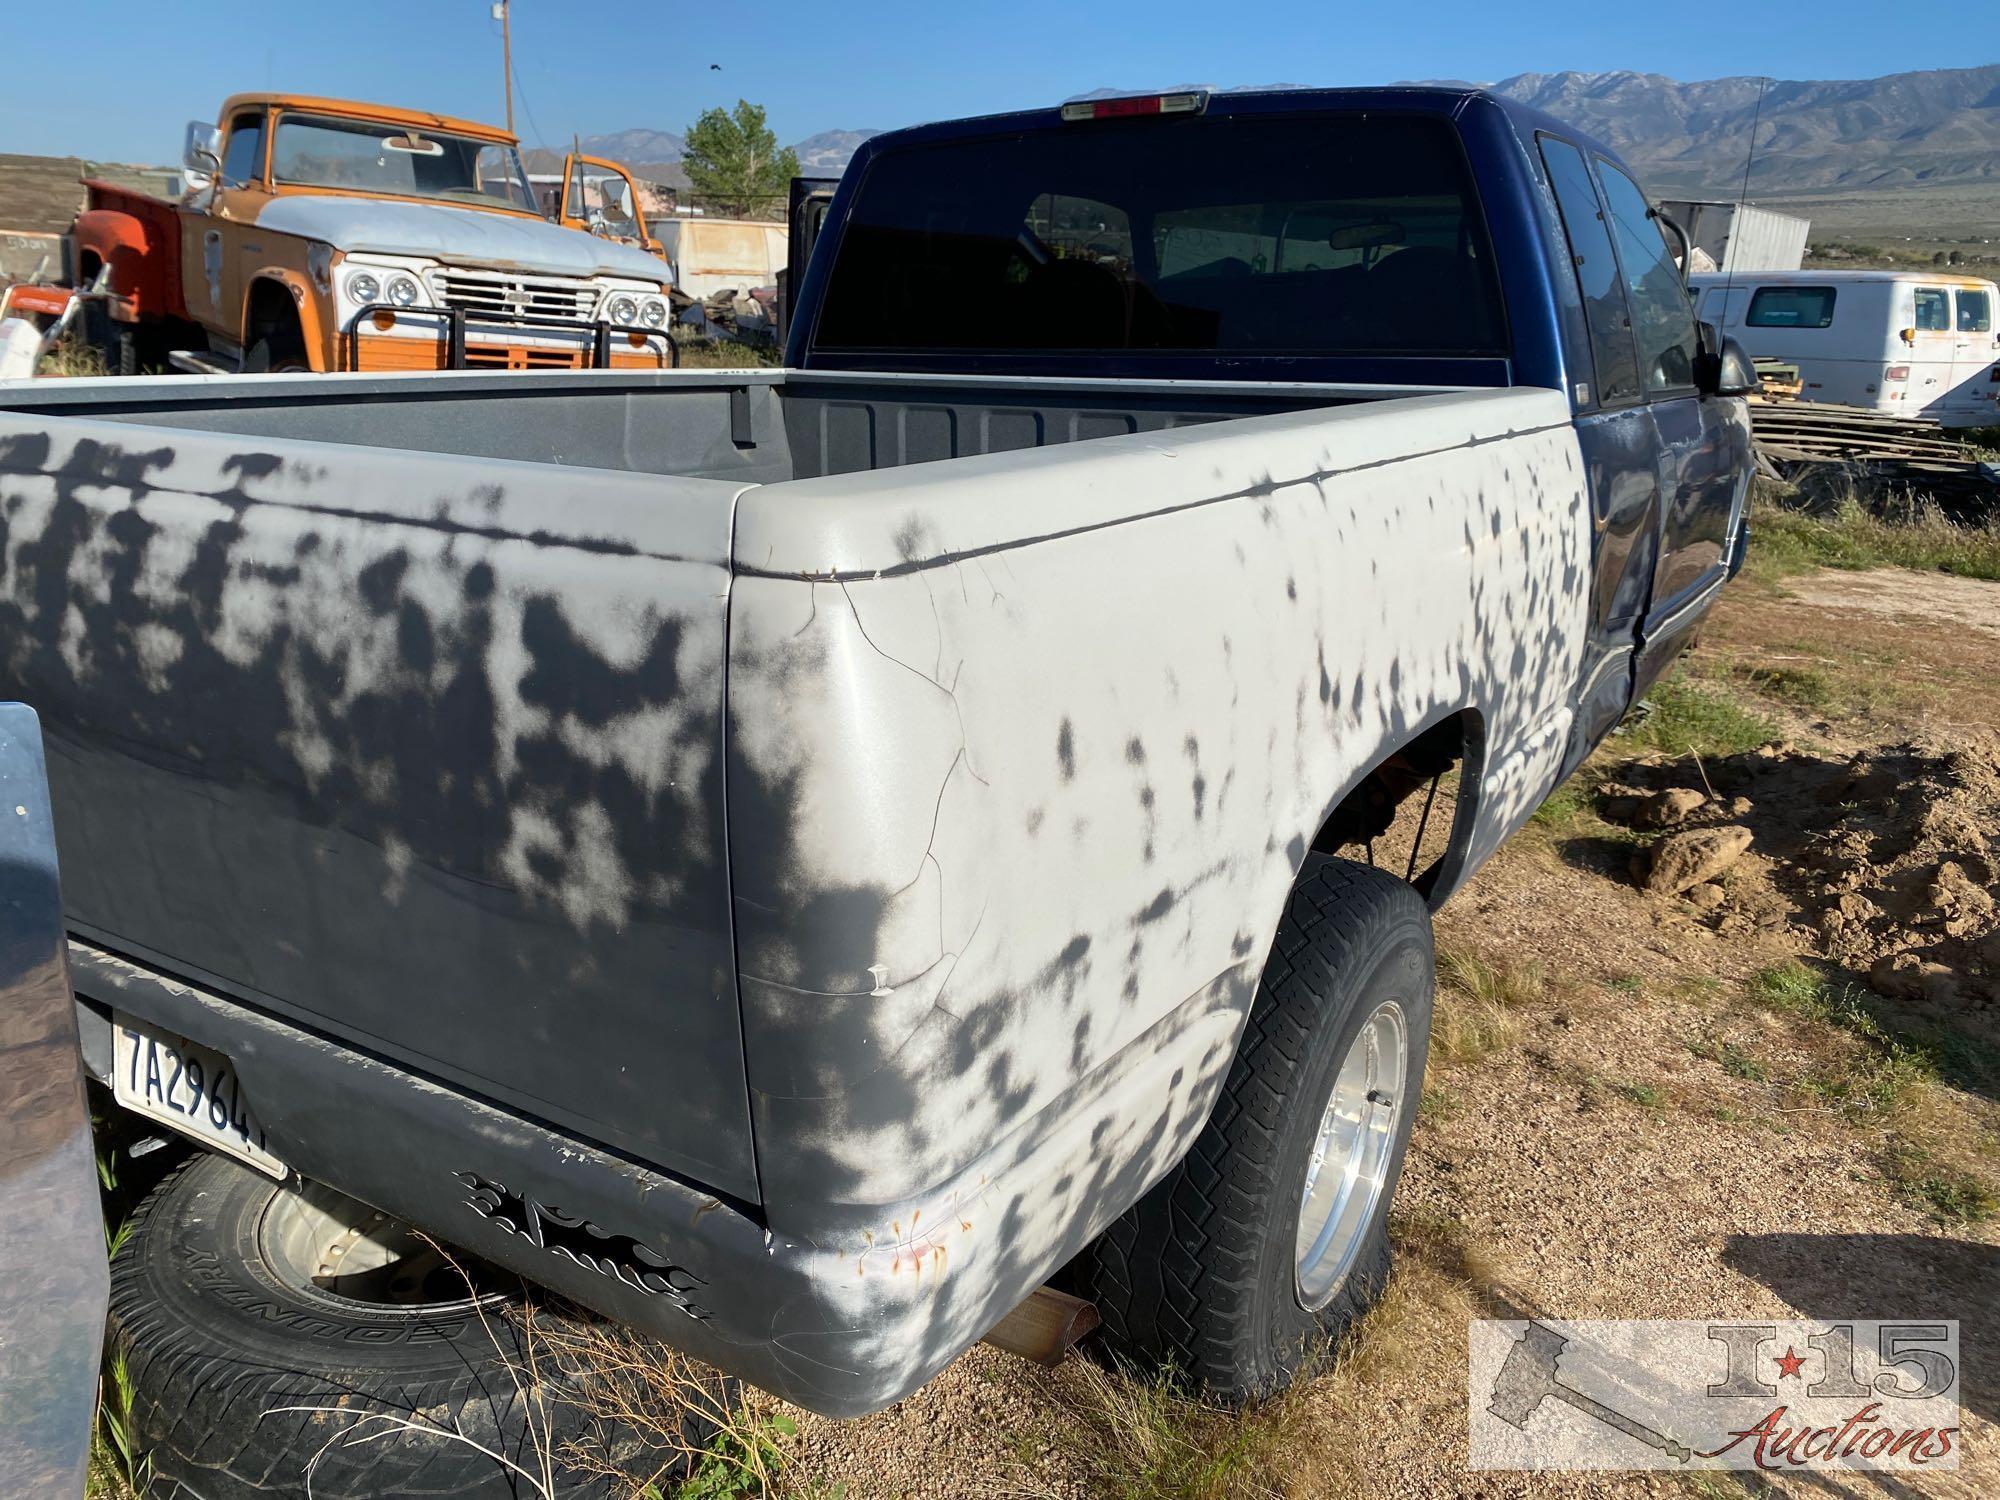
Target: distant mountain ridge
[(1905, 129), (1941, 125)]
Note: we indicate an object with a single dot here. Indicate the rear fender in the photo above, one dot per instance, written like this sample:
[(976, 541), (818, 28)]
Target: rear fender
[(141, 270)]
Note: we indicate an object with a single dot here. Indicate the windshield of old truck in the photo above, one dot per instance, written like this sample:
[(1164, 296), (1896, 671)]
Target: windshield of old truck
[(1329, 234), (364, 156)]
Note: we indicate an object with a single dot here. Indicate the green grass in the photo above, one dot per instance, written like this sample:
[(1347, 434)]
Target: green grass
[(739, 1461), (1785, 541), (1141, 1436), (1437, 1104), (1950, 1195), (1892, 1061), (726, 354), (1691, 717), (1643, 1094), (1567, 807), (1738, 1063)]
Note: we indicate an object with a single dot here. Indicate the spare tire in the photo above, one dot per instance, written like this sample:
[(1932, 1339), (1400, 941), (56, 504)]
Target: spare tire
[(236, 1300)]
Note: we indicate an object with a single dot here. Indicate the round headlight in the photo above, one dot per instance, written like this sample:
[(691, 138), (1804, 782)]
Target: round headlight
[(403, 291), (621, 309), (364, 288), (654, 313)]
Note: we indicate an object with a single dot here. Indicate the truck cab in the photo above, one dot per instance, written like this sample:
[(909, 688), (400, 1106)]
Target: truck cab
[(321, 234)]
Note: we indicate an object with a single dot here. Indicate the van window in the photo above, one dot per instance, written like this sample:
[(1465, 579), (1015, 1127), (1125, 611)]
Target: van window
[(1661, 316), (1933, 309), (1975, 311), (1589, 238), (243, 157), (1791, 307)]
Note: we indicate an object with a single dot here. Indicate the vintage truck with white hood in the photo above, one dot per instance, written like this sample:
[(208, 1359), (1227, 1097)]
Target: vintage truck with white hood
[(795, 859), (330, 234)]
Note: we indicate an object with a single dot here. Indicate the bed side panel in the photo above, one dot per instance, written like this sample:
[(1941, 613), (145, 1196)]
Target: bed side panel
[(1026, 749)]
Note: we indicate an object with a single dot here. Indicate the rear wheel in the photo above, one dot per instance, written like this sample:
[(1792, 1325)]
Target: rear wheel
[(1271, 1237), (237, 1302)]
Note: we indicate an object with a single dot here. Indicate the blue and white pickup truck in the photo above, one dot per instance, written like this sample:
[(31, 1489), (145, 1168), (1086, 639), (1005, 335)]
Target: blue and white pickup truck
[(795, 859)]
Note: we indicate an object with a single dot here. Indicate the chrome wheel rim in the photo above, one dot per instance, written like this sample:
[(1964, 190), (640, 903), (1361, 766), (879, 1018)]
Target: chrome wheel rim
[(1348, 1170)]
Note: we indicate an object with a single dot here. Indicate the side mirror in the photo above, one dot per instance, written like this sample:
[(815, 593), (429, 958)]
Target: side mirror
[(1723, 369), (203, 144)]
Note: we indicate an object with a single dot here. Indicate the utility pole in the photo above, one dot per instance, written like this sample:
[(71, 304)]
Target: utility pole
[(506, 59)]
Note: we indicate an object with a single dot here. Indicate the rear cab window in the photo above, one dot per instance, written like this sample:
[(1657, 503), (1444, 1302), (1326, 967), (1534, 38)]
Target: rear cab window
[(1791, 307), (1247, 235)]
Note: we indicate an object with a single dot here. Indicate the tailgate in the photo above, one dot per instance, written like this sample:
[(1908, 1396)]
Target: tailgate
[(421, 752)]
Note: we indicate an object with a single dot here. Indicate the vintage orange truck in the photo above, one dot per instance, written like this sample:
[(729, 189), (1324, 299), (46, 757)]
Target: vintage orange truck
[(323, 234)]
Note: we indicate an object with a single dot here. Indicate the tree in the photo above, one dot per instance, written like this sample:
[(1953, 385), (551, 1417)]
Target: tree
[(734, 162)]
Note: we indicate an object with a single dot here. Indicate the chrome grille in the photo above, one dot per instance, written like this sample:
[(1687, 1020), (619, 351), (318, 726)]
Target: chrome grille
[(542, 296)]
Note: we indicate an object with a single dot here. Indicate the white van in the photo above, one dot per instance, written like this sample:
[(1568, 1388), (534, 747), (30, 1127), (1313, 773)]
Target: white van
[(1915, 343)]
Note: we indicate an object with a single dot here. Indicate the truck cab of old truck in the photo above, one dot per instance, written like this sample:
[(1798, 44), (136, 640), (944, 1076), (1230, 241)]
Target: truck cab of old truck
[(324, 234)]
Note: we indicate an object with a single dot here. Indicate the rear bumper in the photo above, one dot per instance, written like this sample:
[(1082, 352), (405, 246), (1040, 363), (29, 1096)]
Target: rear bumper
[(843, 1316)]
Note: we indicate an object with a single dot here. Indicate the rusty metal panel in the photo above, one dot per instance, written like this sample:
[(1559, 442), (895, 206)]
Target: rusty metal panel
[(53, 1282)]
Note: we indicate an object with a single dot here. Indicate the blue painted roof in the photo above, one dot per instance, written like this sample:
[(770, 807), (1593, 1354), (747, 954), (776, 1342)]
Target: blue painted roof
[(1448, 100)]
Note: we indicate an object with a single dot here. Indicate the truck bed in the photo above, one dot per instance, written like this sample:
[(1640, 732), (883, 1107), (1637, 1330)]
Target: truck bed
[(429, 672), (552, 764), (755, 426)]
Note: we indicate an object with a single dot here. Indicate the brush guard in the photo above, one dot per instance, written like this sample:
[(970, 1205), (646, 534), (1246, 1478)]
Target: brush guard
[(457, 319)]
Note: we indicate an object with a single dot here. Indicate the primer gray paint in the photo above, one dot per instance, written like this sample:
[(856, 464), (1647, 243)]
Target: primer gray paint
[(973, 788)]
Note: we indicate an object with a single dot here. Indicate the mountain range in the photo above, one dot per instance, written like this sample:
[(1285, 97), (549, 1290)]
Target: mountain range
[(1902, 130)]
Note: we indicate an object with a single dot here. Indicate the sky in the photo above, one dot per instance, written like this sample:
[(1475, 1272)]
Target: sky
[(140, 69)]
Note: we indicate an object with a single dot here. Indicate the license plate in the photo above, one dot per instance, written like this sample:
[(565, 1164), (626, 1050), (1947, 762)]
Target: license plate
[(189, 1087)]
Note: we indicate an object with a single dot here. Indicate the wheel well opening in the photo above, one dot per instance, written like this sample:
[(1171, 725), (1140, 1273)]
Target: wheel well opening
[(271, 313), (1412, 812)]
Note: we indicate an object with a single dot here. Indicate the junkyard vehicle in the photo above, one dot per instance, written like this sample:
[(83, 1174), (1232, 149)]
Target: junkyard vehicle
[(1912, 343), (323, 234), (792, 858), (600, 197)]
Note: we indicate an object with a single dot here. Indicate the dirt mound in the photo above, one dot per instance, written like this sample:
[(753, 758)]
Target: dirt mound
[(1890, 857)]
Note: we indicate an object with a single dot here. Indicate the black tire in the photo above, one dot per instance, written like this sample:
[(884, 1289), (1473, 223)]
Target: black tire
[(113, 341), (277, 351), (217, 1334), (1202, 1276)]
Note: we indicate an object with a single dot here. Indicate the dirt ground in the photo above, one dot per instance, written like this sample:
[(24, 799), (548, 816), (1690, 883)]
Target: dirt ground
[(1670, 1117)]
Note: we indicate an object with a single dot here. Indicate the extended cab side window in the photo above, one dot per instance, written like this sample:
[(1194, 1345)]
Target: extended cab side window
[(1661, 316), (243, 157), (1589, 237)]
